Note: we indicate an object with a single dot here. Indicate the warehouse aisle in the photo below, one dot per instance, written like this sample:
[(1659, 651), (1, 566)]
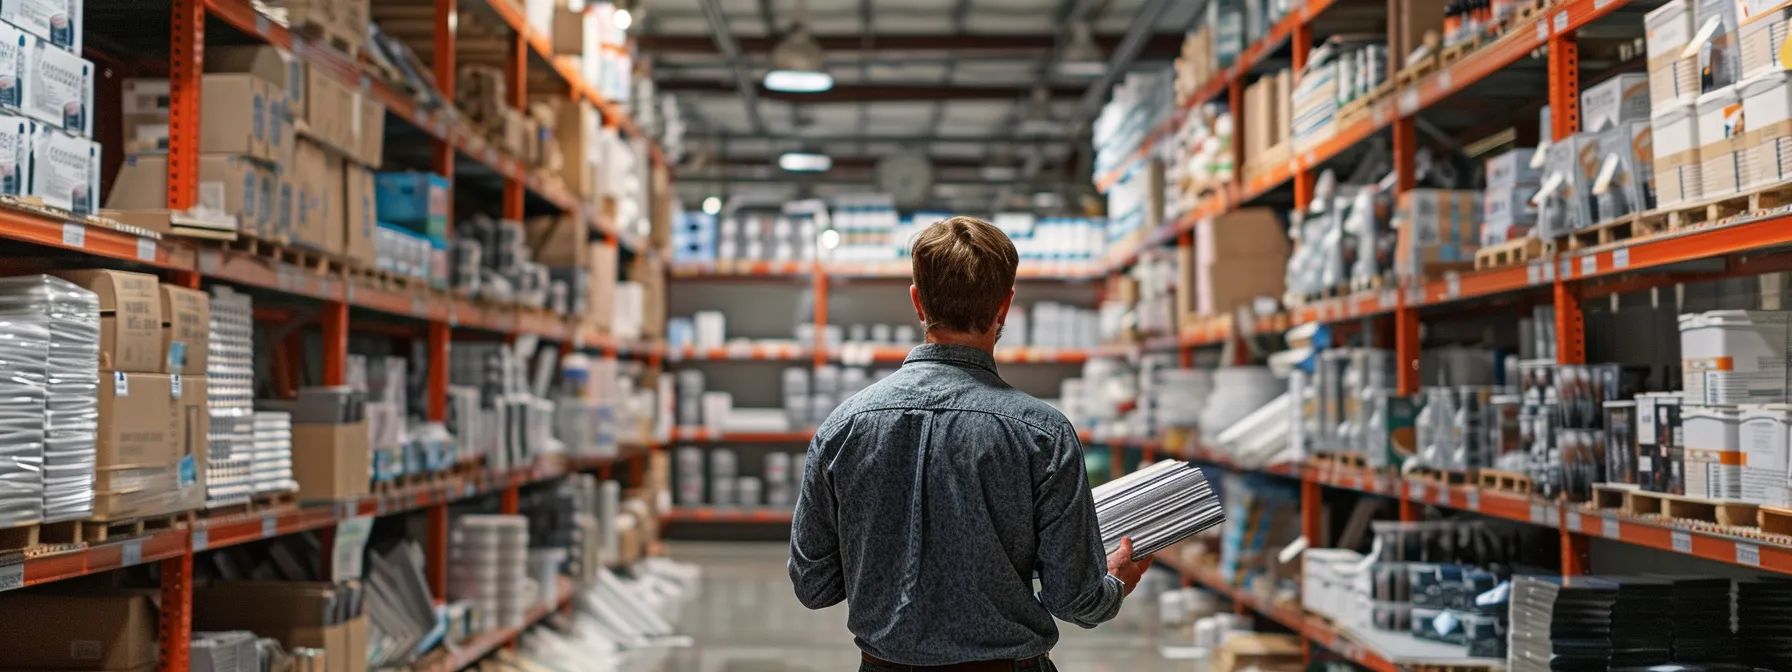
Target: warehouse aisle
[(745, 619)]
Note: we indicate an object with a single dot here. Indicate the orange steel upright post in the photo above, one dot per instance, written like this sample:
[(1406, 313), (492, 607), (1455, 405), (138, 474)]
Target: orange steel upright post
[(516, 78), (335, 328), (819, 274), (1571, 342), (186, 61), (447, 22), (176, 627)]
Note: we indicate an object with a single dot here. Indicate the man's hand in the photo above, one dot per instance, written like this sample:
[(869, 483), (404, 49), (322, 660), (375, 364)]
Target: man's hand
[(1121, 565)]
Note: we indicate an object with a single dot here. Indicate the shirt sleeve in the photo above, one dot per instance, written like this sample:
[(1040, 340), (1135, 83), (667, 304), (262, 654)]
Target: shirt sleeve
[(815, 569), (1074, 582)]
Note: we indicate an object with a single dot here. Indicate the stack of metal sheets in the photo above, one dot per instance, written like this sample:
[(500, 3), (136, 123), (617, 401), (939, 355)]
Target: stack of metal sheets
[(1156, 506)]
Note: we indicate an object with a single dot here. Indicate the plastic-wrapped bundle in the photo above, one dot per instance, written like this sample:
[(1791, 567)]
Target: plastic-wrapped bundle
[(71, 418), (1156, 507), (24, 349), (230, 392), (271, 467)]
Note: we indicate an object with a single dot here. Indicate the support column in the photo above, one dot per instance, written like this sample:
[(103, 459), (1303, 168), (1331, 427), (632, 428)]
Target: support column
[(176, 614), (335, 328), (186, 61)]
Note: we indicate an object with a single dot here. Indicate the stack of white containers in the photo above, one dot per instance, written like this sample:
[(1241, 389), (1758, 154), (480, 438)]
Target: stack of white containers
[(270, 467), (779, 488), (71, 416), (689, 476), (1735, 356), (1713, 451), (230, 393), (488, 567), (22, 395), (723, 475), (544, 569)]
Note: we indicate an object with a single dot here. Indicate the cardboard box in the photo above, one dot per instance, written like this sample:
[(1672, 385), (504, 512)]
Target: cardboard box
[(318, 212), (230, 185), (371, 147), (577, 130), (186, 329), (361, 216), (299, 614), (335, 462), (558, 240), (65, 171), (79, 632), (130, 318), (193, 439), (600, 287), (60, 22), (141, 453), (1622, 98), (16, 133), (1236, 258), (1410, 22), (58, 87), (1263, 652), (223, 100)]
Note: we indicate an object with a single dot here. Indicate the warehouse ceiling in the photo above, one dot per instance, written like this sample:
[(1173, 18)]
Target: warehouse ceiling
[(980, 87)]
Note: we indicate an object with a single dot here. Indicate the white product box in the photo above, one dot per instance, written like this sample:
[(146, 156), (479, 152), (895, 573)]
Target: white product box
[(65, 171), (1513, 168), (1672, 79), (1766, 440), (16, 135), (1678, 172), (1762, 36), (1767, 105), (1631, 145), (1733, 357), (58, 87), (1713, 452), (1614, 101), (1721, 133), (59, 22), (1507, 206)]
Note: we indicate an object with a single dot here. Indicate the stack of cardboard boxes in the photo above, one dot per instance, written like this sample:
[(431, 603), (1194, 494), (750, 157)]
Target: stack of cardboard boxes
[(296, 169), (1268, 125), (342, 22), (412, 211), (153, 419), (1236, 259), (46, 109)]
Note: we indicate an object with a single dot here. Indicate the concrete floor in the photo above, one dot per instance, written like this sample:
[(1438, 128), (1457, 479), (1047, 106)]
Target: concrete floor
[(746, 620)]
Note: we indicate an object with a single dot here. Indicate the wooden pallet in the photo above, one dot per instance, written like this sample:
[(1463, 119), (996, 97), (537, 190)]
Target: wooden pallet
[(1341, 460), (1645, 503), (1715, 211), (1442, 476), (1623, 230), (345, 42), (1610, 496), (277, 250), (39, 538), (386, 281), (1366, 284), (1510, 253), (1414, 72), (1505, 481), (263, 503), (101, 531), (1455, 52)]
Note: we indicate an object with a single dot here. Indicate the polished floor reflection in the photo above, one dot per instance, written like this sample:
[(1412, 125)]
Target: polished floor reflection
[(746, 620)]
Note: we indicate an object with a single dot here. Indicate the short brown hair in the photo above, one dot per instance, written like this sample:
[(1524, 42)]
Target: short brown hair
[(964, 268)]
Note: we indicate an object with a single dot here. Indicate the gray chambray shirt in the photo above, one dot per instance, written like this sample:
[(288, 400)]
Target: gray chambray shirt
[(930, 500)]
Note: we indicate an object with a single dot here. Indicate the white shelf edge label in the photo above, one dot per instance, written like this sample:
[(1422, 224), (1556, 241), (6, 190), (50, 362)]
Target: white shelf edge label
[(1573, 522), (1533, 274), (1537, 514), (1567, 269), (132, 552), (1453, 284), (1682, 541), (1621, 258), (1474, 500), (1589, 264), (1542, 30), (1418, 492), (1441, 496), (146, 249), (1389, 299), (74, 235), (1409, 101), (202, 539), (269, 526), (12, 574), (1561, 21), (261, 24), (1611, 529), (1748, 554)]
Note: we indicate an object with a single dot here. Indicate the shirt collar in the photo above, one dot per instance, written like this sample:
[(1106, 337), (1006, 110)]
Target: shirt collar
[(957, 355)]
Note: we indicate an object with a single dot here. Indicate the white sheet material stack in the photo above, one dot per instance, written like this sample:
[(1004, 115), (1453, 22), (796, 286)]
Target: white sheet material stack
[(488, 565), (24, 349), (1156, 506), (230, 392), (71, 315), (270, 469)]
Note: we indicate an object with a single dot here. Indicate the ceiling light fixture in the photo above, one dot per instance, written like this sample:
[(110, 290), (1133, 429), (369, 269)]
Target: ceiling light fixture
[(712, 205), (623, 19), (1038, 120), (798, 65), (805, 162), (1081, 57)]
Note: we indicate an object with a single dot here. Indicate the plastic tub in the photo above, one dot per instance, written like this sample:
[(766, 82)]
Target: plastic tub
[(1733, 357)]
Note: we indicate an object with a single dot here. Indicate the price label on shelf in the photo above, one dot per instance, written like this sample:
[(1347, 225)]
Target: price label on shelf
[(74, 235), (1573, 522), (269, 526), (1748, 554), (1567, 271), (146, 249), (132, 553), (261, 24), (1441, 496), (1389, 299), (1443, 81), (1538, 514), (1589, 265), (12, 573), (1452, 284), (1474, 500), (1542, 31), (1533, 274), (419, 306), (1409, 101), (1610, 528), (1682, 541), (202, 539), (420, 117), (1561, 21), (1416, 491)]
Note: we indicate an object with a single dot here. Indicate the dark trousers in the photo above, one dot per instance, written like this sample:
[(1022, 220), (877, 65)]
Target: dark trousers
[(1039, 664)]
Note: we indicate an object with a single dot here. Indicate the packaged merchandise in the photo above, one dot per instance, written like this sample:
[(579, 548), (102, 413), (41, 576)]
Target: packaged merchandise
[(58, 87), (1622, 98), (58, 21), (130, 318), (65, 171), (1767, 105), (1713, 452), (1763, 35), (1720, 55), (17, 134), (1723, 142), (1673, 79), (1766, 438), (1679, 174)]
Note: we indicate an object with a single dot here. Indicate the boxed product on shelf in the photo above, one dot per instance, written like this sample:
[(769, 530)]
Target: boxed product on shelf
[(1762, 36), (224, 99), (418, 201), (1767, 107), (131, 318), (576, 129), (559, 240), (1623, 97), (319, 212), (1566, 202), (1720, 55), (236, 187), (65, 171), (335, 462), (361, 218), (1439, 230), (1627, 169), (1679, 174), (1507, 212), (186, 329), (1673, 77), (305, 614), (1766, 438), (1735, 356), (16, 133), (142, 467), (52, 86), (61, 22), (1237, 257), (108, 631), (230, 391), (1713, 452)]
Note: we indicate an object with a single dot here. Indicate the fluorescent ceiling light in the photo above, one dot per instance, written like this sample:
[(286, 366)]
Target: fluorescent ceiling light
[(1081, 57), (712, 205), (805, 162), (623, 20), (798, 81)]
